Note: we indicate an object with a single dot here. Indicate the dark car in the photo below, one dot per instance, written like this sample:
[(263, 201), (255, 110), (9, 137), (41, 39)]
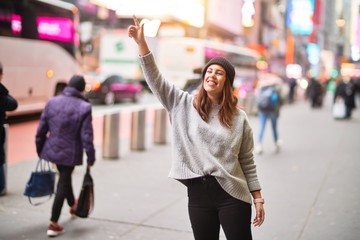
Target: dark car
[(111, 89)]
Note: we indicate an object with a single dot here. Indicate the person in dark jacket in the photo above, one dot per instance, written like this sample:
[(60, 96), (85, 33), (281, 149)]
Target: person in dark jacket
[(315, 93), (65, 130), (292, 90), (7, 103), (345, 89)]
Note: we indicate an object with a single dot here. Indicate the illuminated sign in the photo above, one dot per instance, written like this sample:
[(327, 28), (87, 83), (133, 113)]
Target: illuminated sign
[(313, 51), (293, 71), (210, 53), (50, 28), (248, 11), (300, 16)]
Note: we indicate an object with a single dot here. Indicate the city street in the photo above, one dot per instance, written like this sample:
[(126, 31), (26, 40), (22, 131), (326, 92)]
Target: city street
[(311, 188), (22, 133)]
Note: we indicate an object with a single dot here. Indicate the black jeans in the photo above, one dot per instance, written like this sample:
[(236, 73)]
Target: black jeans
[(210, 206), (64, 191)]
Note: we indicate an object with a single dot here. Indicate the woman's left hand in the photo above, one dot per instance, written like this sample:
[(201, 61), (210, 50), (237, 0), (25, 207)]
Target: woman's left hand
[(260, 214)]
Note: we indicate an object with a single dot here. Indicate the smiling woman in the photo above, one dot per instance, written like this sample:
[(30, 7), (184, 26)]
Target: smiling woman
[(213, 156), (216, 72)]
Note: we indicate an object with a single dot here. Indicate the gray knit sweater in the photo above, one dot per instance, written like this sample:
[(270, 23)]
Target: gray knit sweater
[(205, 148)]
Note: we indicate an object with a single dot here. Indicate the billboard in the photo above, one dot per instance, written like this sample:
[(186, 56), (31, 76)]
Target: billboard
[(49, 28), (300, 16)]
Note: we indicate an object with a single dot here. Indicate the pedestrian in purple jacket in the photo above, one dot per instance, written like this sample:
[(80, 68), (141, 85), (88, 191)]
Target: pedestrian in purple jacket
[(64, 132)]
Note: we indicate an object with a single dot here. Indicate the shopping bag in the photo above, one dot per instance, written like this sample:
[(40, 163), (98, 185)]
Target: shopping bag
[(41, 182), (339, 109), (85, 203)]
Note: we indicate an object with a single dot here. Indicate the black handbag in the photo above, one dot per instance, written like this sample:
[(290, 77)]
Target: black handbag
[(85, 203), (41, 182)]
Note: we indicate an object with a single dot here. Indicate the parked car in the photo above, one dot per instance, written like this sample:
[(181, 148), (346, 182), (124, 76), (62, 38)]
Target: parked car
[(110, 89)]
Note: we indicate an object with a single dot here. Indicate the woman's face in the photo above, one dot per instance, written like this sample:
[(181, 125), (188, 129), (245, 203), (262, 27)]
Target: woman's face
[(214, 80)]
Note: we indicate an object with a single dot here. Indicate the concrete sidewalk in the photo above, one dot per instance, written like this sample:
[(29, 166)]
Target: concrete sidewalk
[(311, 188)]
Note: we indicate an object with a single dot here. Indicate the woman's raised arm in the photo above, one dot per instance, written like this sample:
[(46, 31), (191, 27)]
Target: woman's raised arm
[(136, 32)]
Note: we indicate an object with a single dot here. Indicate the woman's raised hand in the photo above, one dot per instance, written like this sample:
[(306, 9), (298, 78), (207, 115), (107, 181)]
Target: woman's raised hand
[(136, 32)]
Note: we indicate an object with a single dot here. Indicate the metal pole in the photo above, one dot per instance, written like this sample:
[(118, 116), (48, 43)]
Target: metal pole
[(110, 145), (250, 100), (4, 166), (160, 124), (137, 141)]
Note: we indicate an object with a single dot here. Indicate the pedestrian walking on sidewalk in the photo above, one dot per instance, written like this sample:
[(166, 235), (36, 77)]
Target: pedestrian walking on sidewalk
[(292, 82), (269, 101), (345, 89), (7, 103), (213, 147), (65, 130), (315, 92)]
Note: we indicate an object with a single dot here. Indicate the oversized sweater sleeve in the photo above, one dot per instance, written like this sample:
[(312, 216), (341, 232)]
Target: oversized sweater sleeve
[(167, 93), (246, 158)]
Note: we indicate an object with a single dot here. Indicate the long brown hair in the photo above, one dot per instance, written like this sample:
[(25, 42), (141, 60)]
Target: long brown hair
[(228, 104)]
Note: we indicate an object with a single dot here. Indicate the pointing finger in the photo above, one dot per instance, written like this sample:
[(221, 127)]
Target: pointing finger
[(136, 21)]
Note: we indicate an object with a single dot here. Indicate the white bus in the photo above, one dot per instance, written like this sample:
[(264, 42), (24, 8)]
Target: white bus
[(180, 58), (38, 48)]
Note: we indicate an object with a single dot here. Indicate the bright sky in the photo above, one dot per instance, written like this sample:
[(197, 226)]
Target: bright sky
[(189, 11)]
